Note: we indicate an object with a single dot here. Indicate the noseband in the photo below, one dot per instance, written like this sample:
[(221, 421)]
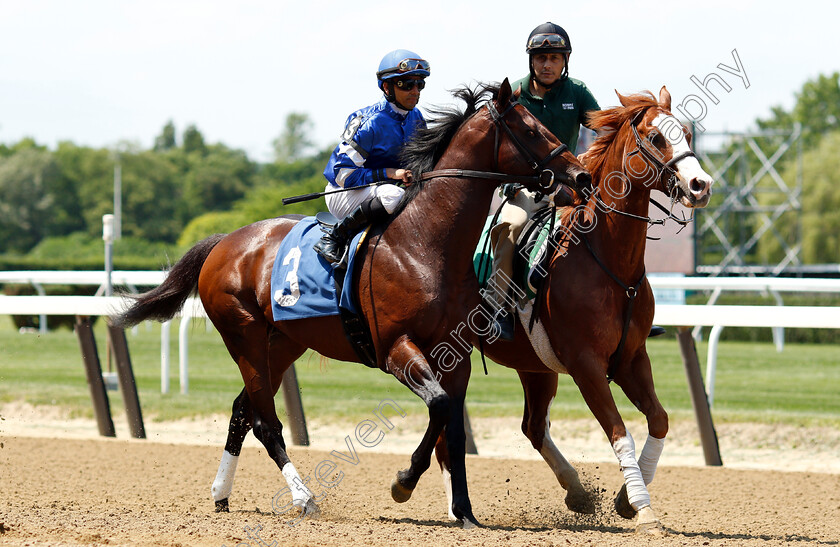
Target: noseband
[(545, 178), (661, 169)]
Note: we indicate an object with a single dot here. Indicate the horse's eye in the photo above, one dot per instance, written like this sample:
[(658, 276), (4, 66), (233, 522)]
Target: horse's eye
[(532, 133), (658, 140)]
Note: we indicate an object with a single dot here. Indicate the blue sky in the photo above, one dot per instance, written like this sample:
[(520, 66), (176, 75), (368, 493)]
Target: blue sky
[(101, 72)]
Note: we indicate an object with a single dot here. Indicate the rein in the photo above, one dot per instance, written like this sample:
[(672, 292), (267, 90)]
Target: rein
[(633, 291), (545, 178), (661, 168)]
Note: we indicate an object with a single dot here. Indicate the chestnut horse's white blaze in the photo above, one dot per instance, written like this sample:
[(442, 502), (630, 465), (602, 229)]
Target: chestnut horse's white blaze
[(695, 183)]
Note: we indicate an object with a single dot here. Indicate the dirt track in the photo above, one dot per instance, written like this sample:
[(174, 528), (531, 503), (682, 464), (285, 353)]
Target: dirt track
[(117, 492)]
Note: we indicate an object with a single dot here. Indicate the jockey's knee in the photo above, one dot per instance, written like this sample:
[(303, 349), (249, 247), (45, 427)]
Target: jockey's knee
[(390, 195)]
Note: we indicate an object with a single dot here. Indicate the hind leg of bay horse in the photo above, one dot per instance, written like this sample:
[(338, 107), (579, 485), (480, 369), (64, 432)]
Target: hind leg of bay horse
[(281, 355), (446, 409), (241, 422), (262, 360), (588, 373), (637, 384)]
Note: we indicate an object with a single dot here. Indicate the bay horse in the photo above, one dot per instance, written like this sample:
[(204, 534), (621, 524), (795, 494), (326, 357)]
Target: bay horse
[(595, 273), (415, 285)]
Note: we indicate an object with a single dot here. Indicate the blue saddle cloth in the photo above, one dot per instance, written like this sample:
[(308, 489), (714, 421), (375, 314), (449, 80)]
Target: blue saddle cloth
[(302, 282)]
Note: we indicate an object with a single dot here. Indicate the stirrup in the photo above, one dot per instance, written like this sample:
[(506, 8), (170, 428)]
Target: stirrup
[(331, 250)]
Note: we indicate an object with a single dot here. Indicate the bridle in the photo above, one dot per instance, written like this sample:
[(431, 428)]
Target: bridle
[(545, 177), (661, 169)]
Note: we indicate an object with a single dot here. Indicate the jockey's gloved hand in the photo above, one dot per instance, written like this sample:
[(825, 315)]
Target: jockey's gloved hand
[(510, 189)]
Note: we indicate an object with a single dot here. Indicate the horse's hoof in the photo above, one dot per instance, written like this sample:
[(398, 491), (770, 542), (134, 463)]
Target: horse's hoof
[(622, 504), (469, 525), (310, 510), (654, 529), (222, 506), (580, 502), (649, 525), (400, 493)]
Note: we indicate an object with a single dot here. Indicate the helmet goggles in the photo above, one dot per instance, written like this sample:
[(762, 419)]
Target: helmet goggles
[(405, 66), (547, 41)]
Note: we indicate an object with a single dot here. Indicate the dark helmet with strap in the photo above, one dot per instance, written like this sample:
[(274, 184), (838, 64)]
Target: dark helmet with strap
[(549, 38)]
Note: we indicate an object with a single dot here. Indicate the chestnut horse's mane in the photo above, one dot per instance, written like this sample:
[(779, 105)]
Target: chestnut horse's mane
[(608, 121), (613, 119), (422, 152)]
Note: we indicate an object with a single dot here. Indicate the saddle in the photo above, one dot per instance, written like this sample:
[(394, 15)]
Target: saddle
[(530, 252), (355, 328)]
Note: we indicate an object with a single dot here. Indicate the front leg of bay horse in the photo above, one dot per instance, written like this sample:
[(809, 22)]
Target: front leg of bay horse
[(539, 389), (637, 384), (588, 372), (407, 363)]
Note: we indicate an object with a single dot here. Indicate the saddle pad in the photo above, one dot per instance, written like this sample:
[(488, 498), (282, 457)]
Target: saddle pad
[(302, 282), (533, 237)]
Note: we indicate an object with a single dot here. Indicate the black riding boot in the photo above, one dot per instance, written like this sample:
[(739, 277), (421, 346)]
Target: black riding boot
[(331, 246), (656, 330)]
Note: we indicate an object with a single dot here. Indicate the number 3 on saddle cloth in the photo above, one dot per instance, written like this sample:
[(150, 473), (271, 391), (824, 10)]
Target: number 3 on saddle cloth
[(304, 285)]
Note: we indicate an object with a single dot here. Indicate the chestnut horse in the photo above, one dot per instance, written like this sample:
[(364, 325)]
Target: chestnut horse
[(415, 286), (596, 272)]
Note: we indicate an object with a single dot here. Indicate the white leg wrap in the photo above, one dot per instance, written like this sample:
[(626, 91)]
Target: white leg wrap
[(300, 493), (223, 485), (447, 485), (637, 494), (649, 457)]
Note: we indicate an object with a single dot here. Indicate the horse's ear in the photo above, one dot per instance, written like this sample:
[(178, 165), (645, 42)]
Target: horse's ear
[(517, 92), (665, 99), (622, 99), (504, 93)]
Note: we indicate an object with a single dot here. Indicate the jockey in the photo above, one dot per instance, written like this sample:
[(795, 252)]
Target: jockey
[(561, 104), (369, 152)]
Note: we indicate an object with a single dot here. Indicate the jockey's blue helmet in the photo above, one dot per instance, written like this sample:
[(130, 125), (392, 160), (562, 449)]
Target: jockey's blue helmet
[(399, 63)]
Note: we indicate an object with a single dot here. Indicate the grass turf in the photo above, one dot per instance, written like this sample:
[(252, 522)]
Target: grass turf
[(799, 386)]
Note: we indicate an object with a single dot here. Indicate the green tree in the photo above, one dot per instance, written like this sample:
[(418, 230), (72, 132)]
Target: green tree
[(209, 224), (30, 186), (817, 108), (294, 142), (166, 139), (194, 140), (820, 219), (215, 181)]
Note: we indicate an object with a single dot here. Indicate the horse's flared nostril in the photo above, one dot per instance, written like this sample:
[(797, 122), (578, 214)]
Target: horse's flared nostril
[(583, 180), (699, 187)]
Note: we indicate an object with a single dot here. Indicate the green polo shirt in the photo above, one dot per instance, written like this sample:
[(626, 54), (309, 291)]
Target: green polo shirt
[(562, 110)]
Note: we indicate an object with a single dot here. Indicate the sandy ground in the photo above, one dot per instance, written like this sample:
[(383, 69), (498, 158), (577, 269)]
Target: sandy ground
[(60, 484)]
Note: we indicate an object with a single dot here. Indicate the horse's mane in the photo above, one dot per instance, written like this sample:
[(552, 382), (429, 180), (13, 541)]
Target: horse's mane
[(422, 152), (607, 122)]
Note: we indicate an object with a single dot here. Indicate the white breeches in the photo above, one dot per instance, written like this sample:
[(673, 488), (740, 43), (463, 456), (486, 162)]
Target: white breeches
[(342, 204)]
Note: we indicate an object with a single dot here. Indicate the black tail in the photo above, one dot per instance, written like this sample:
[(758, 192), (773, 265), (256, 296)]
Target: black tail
[(167, 299)]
